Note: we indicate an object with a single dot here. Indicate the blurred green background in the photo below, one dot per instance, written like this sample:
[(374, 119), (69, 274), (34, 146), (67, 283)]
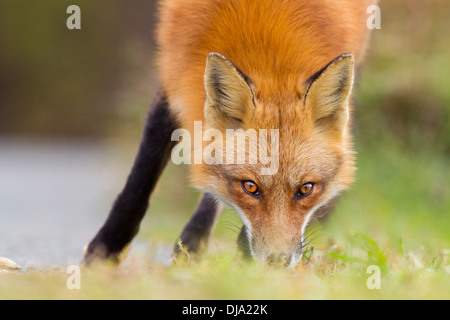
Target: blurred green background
[(97, 83), (60, 82)]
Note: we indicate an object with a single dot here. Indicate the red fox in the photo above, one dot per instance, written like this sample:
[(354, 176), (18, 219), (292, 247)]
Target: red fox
[(250, 64)]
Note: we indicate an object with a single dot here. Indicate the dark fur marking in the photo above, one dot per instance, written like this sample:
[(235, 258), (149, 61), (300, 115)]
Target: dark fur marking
[(196, 233), (131, 204), (341, 87), (316, 75), (241, 74), (243, 243), (217, 83)]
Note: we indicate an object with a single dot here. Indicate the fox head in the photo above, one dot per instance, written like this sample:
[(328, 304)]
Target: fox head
[(313, 153)]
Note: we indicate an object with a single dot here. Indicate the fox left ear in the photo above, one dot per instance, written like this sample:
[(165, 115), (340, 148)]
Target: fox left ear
[(229, 98), (328, 93)]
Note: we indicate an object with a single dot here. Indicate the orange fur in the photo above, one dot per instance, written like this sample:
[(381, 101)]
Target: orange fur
[(278, 45)]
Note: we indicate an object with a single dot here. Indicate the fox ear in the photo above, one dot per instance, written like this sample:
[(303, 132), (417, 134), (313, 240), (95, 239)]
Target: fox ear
[(328, 93), (229, 98)]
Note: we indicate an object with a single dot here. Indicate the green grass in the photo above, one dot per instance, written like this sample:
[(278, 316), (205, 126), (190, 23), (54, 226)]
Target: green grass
[(395, 217), (333, 276)]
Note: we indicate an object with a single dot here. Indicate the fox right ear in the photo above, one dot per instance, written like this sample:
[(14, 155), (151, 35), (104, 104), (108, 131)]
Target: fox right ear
[(328, 93), (229, 98)]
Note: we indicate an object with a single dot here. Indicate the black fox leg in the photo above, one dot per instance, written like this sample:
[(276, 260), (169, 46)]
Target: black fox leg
[(244, 244), (131, 204), (196, 233)]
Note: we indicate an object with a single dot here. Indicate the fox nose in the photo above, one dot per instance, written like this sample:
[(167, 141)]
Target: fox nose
[(278, 259)]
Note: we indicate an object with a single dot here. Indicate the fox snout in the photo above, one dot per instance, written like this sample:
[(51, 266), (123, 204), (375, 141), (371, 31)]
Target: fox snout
[(283, 252), (279, 259), (314, 163)]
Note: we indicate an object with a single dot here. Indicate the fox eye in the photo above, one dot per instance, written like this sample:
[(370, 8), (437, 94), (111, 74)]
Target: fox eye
[(251, 188), (305, 190)]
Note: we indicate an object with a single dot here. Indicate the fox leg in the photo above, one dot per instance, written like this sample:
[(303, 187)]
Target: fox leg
[(195, 234), (131, 204)]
